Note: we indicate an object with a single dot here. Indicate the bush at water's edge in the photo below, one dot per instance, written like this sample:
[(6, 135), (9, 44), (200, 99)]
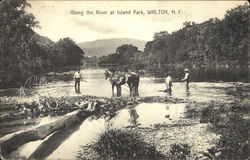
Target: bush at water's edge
[(121, 144)]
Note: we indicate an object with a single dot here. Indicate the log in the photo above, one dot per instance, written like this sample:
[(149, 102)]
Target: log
[(47, 147), (12, 142)]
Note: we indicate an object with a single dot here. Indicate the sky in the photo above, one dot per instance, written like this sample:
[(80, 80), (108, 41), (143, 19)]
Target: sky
[(60, 19)]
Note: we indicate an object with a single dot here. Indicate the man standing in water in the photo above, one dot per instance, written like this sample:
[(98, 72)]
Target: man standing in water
[(168, 83), (77, 77), (186, 78)]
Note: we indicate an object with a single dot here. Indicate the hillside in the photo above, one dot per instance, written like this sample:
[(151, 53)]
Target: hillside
[(107, 46)]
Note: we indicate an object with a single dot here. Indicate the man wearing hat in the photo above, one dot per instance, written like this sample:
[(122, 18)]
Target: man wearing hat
[(186, 78)]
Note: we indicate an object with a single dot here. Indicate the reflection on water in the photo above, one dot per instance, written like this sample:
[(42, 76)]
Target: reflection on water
[(148, 114), (66, 143), (133, 116)]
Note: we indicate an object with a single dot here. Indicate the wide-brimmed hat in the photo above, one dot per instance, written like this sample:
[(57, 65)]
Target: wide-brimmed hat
[(186, 70)]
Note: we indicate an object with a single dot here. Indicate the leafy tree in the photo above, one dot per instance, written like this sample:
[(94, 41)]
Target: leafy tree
[(71, 54), (16, 40), (24, 52), (161, 34), (126, 53), (210, 43)]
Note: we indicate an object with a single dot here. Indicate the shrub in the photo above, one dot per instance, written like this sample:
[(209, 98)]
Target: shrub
[(227, 120), (179, 151), (234, 141), (120, 144)]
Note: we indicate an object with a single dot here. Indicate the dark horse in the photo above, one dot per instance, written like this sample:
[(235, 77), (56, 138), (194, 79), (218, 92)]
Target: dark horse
[(118, 79)]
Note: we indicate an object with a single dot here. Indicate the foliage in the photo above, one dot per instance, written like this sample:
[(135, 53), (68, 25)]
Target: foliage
[(179, 151), (234, 141), (126, 55), (232, 122), (207, 43), (23, 52), (70, 54), (161, 34), (194, 110), (120, 144), (16, 40)]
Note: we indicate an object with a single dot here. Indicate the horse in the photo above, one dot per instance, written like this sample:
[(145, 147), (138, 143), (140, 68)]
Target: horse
[(133, 83), (118, 79), (114, 81)]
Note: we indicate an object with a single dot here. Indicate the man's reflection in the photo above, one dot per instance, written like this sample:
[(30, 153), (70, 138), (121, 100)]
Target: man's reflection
[(187, 92)]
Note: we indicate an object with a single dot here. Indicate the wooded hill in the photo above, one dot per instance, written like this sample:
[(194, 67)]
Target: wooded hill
[(214, 43), (103, 47)]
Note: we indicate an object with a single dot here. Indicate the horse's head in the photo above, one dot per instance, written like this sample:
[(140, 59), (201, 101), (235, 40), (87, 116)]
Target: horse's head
[(107, 74)]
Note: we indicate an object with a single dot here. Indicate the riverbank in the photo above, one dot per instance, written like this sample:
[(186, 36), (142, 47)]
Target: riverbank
[(198, 128)]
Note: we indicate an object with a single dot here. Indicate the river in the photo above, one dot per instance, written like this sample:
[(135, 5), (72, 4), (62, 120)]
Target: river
[(96, 85)]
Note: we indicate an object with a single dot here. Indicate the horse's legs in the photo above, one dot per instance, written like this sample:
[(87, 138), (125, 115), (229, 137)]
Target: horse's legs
[(130, 88), (136, 86), (113, 89), (118, 90)]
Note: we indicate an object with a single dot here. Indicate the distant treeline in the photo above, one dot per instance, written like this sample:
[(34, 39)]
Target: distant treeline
[(211, 46), (23, 52)]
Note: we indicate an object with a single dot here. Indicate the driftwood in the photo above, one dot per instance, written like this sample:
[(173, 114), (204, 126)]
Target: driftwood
[(53, 142), (12, 142)]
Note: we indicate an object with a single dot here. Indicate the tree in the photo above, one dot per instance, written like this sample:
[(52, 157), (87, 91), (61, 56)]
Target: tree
[(161, 34), (236, 26), (126, 53), (69, 52), (16, 39)]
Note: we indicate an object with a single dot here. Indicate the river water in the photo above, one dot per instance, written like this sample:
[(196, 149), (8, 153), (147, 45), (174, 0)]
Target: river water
[(65, 144), (96, 85)]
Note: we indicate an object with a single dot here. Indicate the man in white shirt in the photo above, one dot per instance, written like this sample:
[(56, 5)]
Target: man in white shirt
[(186, 78), (168, 82), (77, 77)]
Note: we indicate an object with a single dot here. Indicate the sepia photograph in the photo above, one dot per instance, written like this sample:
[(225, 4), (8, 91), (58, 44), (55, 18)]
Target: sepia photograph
[(124, 80)]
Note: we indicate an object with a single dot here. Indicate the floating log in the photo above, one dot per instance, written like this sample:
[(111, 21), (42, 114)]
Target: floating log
[(12, 142)]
